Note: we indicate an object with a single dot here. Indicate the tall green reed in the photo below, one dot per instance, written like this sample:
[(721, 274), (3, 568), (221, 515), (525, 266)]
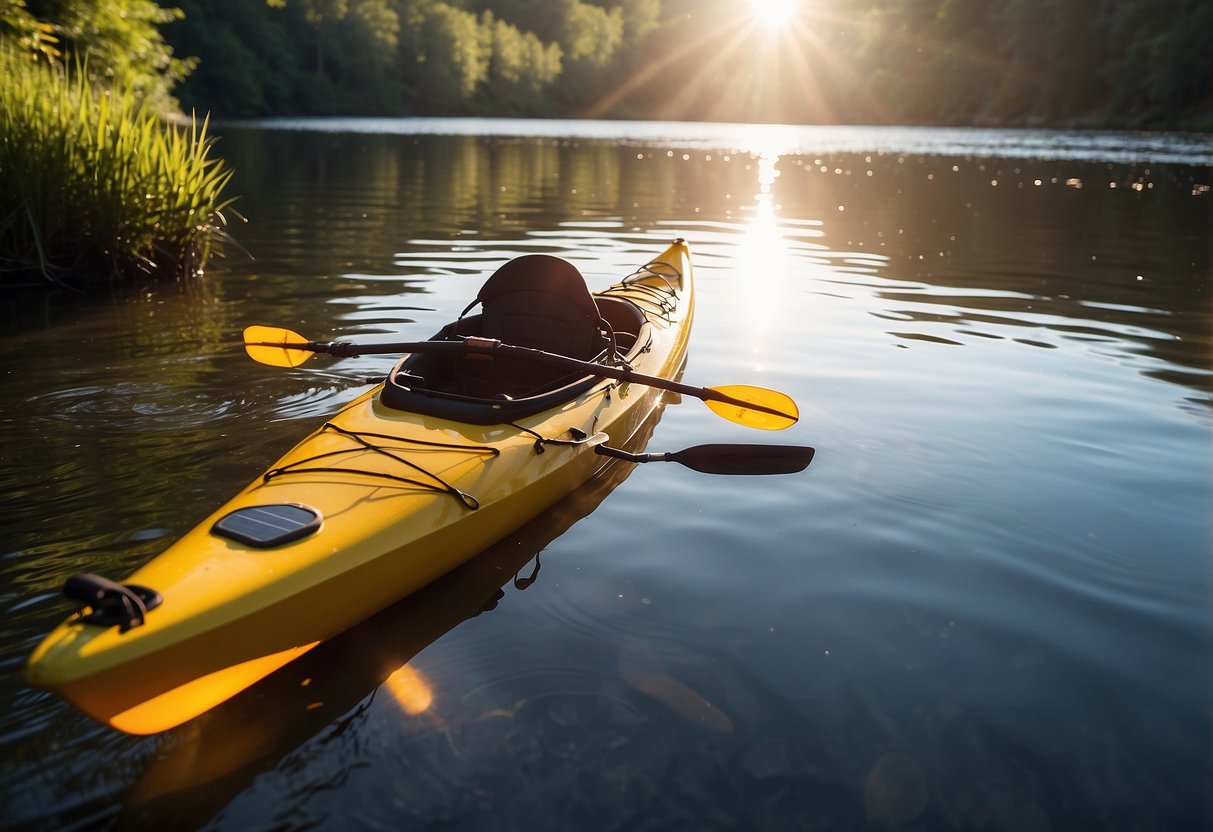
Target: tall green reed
[(96, 186)]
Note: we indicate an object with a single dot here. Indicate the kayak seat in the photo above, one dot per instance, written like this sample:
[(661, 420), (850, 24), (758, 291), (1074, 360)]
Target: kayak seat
[(542, 308), (540, 301), (537, 301)]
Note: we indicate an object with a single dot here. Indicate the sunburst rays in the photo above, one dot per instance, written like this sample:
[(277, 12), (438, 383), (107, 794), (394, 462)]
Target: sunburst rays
[(740, 67)]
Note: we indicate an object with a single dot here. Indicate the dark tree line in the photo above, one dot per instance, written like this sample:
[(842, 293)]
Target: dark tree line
[(516, 57), (1128, 63), (1120, 63), (1117, 62)]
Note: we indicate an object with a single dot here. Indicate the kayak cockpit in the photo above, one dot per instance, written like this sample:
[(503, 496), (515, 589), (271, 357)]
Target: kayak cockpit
[(486, 390), (536, 301)]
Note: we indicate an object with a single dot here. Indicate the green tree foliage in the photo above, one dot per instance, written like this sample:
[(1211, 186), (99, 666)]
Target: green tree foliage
[(1058, 62), (247, 61), (589, 33), (121, 41), (1160, 61), (32, 37), (640, 17), (520, 66), (374, 29), (322, 16)]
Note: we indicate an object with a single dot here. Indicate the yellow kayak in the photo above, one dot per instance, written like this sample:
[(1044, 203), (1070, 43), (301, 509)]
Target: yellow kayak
[(452, 452)]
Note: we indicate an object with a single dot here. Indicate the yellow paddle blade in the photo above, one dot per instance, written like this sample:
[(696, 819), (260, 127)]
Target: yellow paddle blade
[(754, 407), (262, 344)]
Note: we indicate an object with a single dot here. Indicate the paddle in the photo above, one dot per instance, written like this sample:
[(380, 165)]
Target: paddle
[(726, 459), (755, 407)]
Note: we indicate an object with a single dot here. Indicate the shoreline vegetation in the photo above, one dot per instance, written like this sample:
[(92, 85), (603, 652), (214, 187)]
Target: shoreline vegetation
[(97, 185), (1017, 63), (99, 182), (101, 177)]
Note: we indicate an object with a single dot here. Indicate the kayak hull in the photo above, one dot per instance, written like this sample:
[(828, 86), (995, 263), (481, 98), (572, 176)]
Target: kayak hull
[(404, 498)]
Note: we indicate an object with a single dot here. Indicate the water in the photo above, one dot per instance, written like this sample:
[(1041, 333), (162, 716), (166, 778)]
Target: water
[(984, 606)]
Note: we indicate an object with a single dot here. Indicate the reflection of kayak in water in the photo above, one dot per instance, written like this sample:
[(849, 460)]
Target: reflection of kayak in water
[(203, 765), (483, 427)]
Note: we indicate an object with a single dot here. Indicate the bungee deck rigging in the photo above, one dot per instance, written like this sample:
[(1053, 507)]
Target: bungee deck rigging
[(362, 440), (664, 297)]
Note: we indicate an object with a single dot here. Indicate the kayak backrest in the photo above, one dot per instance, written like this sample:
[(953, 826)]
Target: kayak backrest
[(541, 301), (537, 301)]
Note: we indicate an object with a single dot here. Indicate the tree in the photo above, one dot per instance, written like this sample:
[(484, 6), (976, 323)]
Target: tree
[(1126, 62), (374, 30), (32, 36), (444, 52), (520, 67), (121, 42), (589, 33), (640, 17)]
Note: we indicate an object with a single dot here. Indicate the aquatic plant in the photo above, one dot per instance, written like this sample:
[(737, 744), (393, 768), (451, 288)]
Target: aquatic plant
[(95, 184)]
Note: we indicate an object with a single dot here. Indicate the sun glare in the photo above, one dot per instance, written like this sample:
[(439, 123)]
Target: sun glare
[(763, 257), (773, 13)]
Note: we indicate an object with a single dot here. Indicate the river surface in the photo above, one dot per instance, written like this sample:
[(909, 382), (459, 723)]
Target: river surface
[(985, 605)]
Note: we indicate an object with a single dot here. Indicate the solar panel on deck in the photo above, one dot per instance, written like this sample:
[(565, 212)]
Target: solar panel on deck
[(267, 526)]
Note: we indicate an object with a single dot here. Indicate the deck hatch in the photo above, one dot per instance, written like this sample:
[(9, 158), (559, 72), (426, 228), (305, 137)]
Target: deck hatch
[(264, 527)]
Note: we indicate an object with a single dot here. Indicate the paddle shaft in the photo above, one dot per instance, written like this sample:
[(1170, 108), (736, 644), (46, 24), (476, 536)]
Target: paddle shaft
[(492, 347), (725, 459)]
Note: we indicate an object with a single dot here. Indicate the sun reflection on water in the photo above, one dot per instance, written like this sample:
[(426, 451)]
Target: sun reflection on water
[(763, 257), (410, 690)]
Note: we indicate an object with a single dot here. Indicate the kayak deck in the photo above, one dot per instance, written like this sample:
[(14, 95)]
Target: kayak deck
[(404, 484)]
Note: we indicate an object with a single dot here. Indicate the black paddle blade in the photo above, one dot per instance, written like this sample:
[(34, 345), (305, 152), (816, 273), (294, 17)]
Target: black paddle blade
[(744, 459)]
